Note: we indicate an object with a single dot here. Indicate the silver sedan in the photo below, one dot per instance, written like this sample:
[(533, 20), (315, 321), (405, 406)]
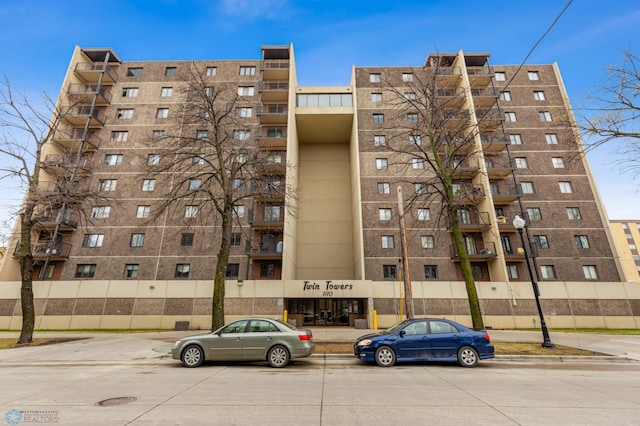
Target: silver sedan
[(250, 339)]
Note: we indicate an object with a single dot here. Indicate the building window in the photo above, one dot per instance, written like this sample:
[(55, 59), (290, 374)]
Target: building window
[(236, 239), (390, 272), (186, 240), (182, 270), (548, 272), (137, 240), (415, 140), (162, 113), (190, 211), (382, 164), (545, 116), (476, 271), (113, 159), (565, 187), (158, 135), (143, 212), (85, 271), (246, 91), (412, 118), (247, 70), (153, 159), (512, 271), (134, 72), (272, 213), (582, 242), (239, 184), (406, 77), (417, 163), (541, 241), (557, 162), (378, 118), (233, 270), (427, 241), (510, 117), (628, 236), (374, 78), (410, 96), (211, 71), (148, 184), (505, 96), (420, 188), (387, 242), (202, 135), (424, 214), (521, 163), (384, 214), (238, 210), (384, 188), (376, 97), (533, 213), (526, 187), (267, 270), (632, 247), (533, 75), (379, 140), (515, 139), (242, 135), (124, 113), (100, 212), (244, 112), (538, 95), (590, 272), (170, 71), (500, 76), (166, 92), (431, 272), (131, 270), (93, 240), (129, 92), (204, 113), (107, 184), (194, 184), (552, 138)]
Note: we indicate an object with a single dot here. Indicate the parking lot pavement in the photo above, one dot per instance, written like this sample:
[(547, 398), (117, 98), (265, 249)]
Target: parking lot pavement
[(125, 381)]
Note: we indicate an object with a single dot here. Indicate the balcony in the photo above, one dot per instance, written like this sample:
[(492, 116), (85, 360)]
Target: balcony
[(498, 168), (86, 92), (489, 119), (265, 248), (49, 219), (476, 251), (44, 248), (492, 143), (274, 91), (79, 115), (67, 162), (75, 138), (273, 113), (261, 222), (471, 221), (268, 190), (456, 118), (272, 138), (92, 71), (275, 69), (464, 168), (480, 76), (504, 193), (467, 194), (484, 97), (447, 76), (450, 97), (273, 163), (62, 187)]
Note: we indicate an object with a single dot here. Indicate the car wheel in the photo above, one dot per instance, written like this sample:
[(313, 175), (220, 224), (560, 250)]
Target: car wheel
[(278, 356), (385, 356), (467, 356), (192, 356)]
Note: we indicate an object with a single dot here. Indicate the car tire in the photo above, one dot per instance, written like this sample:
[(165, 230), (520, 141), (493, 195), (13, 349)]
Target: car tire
[(278, 356), (468, 357), (385, 356), (192, 356)]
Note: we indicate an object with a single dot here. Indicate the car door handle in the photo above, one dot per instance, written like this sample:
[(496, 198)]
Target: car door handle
[(269, 338), (238, 339)]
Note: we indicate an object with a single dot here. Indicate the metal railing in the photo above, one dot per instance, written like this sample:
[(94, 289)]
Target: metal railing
[(477, 250), (98, 67)]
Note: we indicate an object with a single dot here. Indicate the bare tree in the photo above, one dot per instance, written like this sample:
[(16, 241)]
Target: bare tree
[(613, 112), (51, 175), (209, 164), (433, 138)]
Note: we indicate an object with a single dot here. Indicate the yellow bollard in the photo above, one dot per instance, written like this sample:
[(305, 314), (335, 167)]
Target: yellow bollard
[(375, 319), (284, 316)]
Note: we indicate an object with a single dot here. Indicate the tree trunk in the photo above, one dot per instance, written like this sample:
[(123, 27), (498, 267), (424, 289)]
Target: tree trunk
[(26, 270), (217, 314)]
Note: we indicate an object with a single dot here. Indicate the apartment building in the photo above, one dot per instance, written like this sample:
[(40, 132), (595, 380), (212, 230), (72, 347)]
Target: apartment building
[(323, 251), (626, 236)]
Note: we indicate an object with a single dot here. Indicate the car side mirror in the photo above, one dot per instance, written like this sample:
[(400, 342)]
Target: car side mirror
[(401, 333)]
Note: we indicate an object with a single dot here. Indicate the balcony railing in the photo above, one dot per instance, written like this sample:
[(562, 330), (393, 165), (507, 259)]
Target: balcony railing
[(492, 92), (444, 71), (468, 192), (272, 109), (275, 64), (97, 67), (80, 89), (504, 192), (279, 85), (45, 248), (50, 219), (476, 250), (82, 112), (68, 161), (480, 71), (471, 220), (273, 133)]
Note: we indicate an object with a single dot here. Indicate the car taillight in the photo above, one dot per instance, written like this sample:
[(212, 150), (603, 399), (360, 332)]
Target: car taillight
[(304, 337), (487, 338)]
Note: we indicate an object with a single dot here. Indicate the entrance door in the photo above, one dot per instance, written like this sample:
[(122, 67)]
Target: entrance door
[(326, 312)]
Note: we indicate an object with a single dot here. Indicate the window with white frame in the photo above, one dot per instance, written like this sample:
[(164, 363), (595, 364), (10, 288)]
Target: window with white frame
[(158, 135), (431, 272), (378, 118), (417, 163), (387, 242), (541, 241), (590, 272), (137, 240), (505, 96), (198, 159), (582, 241), (274, 158), (238, 209), (101, 212), (170, 71), (390, 271), (153, 159), (242, 135), (272, 213), (558, 162), (512, 271), (239, 184), (244, 112), (166, 92), (162, 113), (85, 270), (107, 185), (412, 118), (565, 187), (515, 139), (573, 213), (415, 139), (142, 212), (551, 138), (521, 163), (427, 241), (247, 70), (182, 270), (124, 113), (211, 71), (407, 77), (533, 75), (424, 214), (380, 140), (382, 164), (534, 213), (246, 91), (548, 272), (119, 136), (500, 76), (190, 211), (131, 270), (148, 184), (526, 187), (538, 95), (545, 116), (384, 188), (93, 240), (129, 92), (202, 135), (374, 77), (384, 214), (195, 184), (420, 188), (510, 117), (376, 97), (134, 72), (410, 96)]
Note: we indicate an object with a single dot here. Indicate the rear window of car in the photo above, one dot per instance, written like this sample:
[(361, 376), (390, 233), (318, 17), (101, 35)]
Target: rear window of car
[(441, 327), (258, 326)]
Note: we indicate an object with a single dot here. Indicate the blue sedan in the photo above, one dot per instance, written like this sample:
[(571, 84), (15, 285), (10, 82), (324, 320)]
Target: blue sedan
[(425, 339)]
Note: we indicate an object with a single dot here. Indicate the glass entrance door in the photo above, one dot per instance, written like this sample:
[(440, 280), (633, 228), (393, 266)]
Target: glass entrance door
[(326, 312)]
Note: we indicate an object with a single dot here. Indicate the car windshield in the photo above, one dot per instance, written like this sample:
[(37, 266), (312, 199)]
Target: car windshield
[(397, 326)]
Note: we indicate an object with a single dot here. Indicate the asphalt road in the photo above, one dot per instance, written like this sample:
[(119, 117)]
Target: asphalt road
[(124, 381)]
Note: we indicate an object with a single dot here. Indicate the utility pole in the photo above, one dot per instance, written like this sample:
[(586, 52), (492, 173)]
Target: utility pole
[(408, 296)]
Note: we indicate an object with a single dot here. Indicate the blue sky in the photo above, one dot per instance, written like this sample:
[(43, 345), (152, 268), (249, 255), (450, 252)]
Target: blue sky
[(38, 37)]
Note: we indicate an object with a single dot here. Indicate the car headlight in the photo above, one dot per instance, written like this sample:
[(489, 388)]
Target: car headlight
[(364, 342), (175, 345)]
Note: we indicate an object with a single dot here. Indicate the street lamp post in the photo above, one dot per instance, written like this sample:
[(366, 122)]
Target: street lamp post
[(519, 223)]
